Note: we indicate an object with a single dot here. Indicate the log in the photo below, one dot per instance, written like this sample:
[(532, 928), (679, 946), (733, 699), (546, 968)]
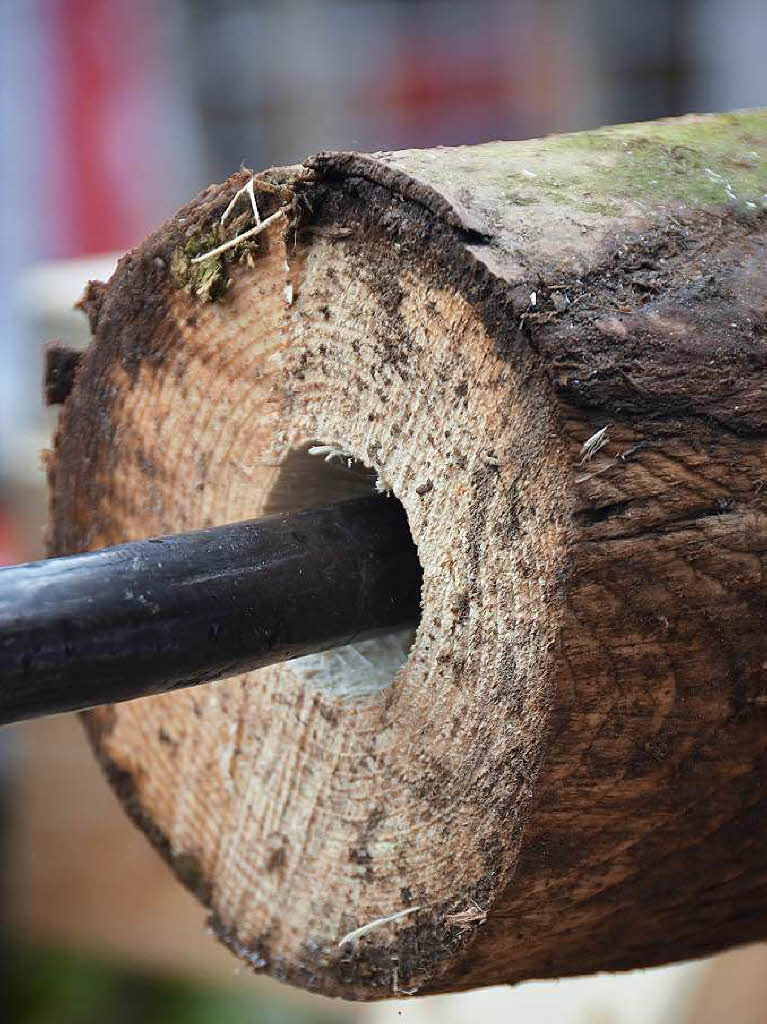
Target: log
[(553, 354)]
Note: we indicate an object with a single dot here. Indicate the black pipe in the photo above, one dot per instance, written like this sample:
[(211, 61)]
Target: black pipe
[(150, 616)]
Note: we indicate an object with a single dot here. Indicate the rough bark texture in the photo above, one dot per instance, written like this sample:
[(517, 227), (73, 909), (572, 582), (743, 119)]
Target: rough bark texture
[(566, 774)]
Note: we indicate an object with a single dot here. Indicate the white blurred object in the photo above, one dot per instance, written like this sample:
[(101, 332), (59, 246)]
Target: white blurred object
[(46, 293), (44, 296), (657, 996)]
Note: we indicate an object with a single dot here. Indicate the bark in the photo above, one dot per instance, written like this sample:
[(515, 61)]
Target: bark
[(553, 353), (60, 364)]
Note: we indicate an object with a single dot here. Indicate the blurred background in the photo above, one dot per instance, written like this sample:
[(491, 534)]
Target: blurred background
[(112, 114)]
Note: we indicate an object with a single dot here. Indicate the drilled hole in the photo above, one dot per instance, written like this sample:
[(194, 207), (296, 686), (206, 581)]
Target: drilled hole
[(325, 478)]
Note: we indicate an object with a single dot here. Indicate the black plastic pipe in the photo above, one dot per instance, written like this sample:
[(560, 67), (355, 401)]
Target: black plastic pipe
[(150, 616)]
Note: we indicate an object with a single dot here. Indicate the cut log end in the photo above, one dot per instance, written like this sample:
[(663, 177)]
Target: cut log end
[(568, 402)]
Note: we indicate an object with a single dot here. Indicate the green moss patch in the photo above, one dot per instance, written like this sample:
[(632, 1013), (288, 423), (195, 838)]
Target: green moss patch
[(696, 161), (208, 279)]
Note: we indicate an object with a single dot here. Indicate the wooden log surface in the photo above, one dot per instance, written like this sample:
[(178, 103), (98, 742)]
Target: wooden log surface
[(553, 354)]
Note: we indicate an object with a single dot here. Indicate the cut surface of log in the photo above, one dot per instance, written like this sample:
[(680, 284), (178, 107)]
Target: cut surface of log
[(553, 354)]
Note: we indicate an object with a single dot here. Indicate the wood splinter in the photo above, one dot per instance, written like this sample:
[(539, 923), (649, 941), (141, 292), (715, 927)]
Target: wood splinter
[(564, 769)]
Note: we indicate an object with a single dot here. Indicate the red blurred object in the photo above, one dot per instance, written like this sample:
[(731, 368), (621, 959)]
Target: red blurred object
[(492, 74), (425, 82), (103, 62)]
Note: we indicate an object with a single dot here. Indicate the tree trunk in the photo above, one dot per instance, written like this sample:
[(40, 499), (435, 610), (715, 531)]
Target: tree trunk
[(553, 354)]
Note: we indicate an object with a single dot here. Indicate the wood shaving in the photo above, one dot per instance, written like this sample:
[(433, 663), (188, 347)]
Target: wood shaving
[(358, 933)]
